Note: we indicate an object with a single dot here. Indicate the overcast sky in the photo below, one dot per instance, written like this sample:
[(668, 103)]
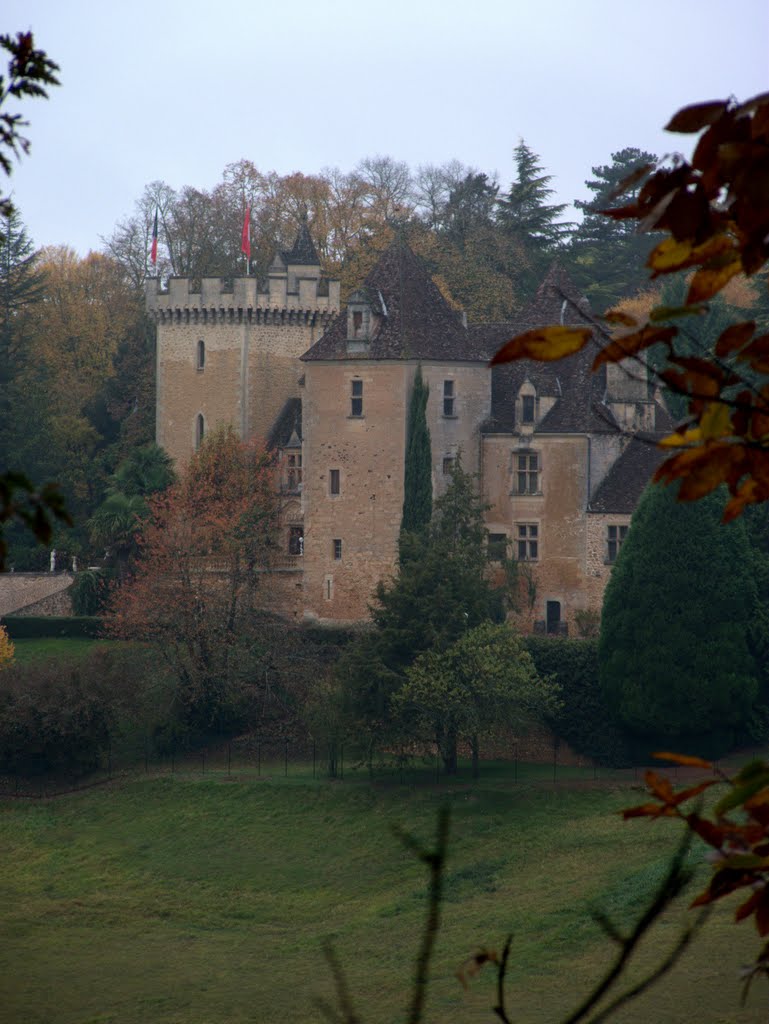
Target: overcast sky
[(175, 90)]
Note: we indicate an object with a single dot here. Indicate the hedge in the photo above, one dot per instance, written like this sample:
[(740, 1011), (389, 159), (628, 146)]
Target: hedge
[(28, 627), (584, 721)]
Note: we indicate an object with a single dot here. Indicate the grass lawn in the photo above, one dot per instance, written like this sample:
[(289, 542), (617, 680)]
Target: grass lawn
[(196, 899), (44, 648)]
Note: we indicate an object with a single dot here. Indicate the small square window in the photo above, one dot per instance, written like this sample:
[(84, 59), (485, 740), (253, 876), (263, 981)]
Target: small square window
[(615, 535), (448, 464), (334, 482), (448, 398), (527, 408), (527, 542), (356, 398), (337, 550)]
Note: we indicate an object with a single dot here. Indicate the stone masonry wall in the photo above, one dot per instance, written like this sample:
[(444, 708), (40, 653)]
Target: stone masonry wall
[(559, 572), (29, 593), (368, 453)]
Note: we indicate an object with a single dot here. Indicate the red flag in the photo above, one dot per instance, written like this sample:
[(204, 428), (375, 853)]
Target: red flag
[(245, 238), (154, 249)]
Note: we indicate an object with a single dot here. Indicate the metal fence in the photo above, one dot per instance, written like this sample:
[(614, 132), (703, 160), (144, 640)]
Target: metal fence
[(258, 759)]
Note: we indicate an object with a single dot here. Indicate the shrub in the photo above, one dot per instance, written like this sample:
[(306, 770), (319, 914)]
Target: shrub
[(584, 722), (89, 591), (32, 627), (676, 659), (7, 649), (58, 716)]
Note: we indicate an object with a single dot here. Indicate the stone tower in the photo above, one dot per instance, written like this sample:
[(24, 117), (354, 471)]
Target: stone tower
[(227, 352)]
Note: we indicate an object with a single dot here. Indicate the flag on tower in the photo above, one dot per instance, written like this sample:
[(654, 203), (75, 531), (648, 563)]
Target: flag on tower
[(245, 238), (154, 249)]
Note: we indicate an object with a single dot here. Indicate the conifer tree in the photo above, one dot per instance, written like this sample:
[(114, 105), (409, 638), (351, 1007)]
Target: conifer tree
[(529, 221), (609, 256), (676, 651), (418, 484)]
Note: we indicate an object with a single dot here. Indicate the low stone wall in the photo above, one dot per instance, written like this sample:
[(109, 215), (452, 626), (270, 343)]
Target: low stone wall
[(35, 593)]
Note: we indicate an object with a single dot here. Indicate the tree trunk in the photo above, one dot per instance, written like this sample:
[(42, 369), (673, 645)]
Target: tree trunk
[(475, 752), (448, 749)]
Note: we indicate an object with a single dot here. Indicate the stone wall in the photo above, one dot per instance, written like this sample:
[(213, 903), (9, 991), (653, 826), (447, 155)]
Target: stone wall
[(31, 593), (367, 453)]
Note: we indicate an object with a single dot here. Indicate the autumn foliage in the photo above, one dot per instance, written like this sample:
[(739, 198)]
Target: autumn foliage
[(713, 211), (736, 829), (203, 556)]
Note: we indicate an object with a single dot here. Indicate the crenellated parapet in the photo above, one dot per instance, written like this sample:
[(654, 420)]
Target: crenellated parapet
[(216, 300)]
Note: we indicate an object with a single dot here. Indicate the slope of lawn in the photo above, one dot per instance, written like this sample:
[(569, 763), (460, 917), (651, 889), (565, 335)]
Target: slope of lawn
[(181, 900)]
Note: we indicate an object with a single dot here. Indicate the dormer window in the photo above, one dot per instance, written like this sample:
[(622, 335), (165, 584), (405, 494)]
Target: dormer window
[(358, 318), (526, 405)]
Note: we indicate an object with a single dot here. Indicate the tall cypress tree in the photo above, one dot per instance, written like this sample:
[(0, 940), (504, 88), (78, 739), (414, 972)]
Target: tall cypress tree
[(418, 482)]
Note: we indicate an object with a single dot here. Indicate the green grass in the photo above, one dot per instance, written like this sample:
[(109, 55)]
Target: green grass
[(45, 648), (189, 899)]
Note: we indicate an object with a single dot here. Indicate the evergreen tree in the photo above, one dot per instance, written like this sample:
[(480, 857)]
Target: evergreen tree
[(470, 207), (442, 589), (676, 651), (418, 483), (21, 287), (531, 224), (609, 256)]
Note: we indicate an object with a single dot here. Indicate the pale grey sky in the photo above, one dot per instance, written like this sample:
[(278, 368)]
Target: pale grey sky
[(176, 90)]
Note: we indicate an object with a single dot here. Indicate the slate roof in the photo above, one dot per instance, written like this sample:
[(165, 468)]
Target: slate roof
[(413, 320), (304, 251), (287, 423), (579, 391), (621, 488)]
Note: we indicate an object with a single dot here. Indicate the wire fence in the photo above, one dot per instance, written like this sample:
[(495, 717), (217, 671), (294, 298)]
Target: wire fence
[(258, 759)]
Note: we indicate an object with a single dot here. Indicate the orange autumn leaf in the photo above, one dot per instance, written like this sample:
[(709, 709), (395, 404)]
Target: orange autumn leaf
[(683, 759), (632, 344), (544, 344)]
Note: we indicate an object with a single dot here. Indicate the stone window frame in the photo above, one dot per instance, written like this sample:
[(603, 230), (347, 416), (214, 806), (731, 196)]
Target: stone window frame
[(449, 461), (527, 475), (336, 546), (356, 398), (527, 542), (200, 356), (200, 430), (616, 533), (296, 540), (293, 471), (334, 483), (449, 398)]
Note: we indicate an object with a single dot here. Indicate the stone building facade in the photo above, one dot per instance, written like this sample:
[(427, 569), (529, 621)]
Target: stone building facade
[(562, 454)]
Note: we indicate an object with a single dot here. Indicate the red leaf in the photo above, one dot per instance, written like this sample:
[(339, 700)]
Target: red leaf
[(696, 117)]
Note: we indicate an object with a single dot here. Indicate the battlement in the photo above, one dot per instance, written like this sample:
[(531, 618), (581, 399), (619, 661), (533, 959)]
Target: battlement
[(238, 299)]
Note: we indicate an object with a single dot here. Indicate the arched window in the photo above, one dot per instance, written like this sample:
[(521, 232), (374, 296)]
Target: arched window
[(200, 430), (201, 355)]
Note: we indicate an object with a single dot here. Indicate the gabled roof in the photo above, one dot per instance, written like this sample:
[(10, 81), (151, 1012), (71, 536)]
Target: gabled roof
[(286, 431), (304, 251), (410, 317), (621, 488), (579, 392)]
